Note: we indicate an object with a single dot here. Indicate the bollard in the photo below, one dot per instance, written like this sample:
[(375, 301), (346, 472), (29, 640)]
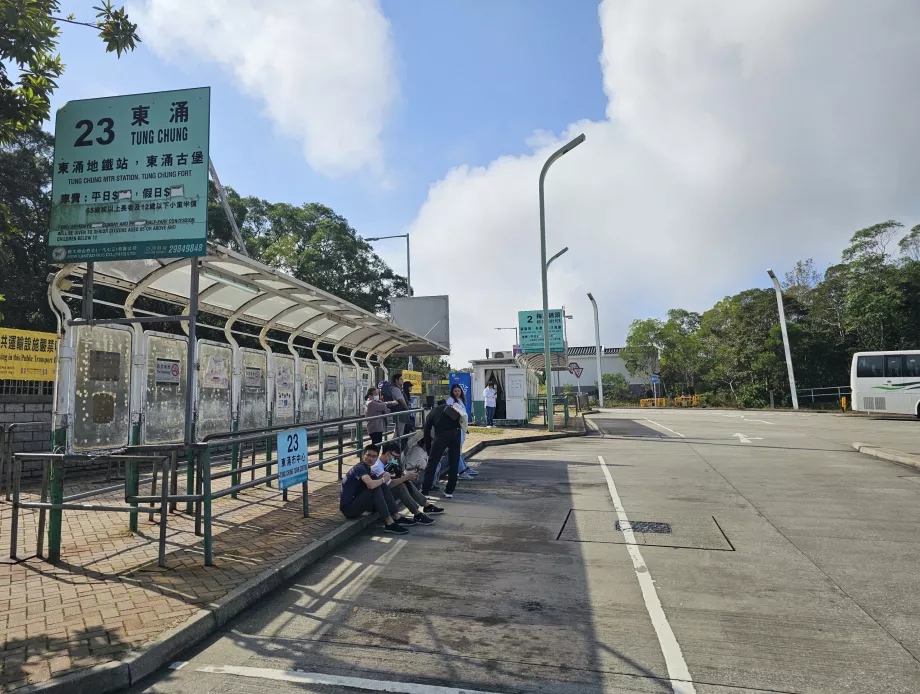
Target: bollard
[(56, 496), (132, 483), (206, 490), (843, 403)]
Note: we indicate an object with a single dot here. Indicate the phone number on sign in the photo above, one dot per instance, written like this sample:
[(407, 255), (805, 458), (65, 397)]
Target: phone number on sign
[(180, 248)]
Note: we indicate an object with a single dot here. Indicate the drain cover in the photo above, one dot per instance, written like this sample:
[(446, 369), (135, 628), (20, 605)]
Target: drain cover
[(644, 526), (700, 532)]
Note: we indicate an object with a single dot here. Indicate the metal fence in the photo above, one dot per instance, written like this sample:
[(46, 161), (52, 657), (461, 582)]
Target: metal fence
[(10, 386), (828, 394), (219, 456)]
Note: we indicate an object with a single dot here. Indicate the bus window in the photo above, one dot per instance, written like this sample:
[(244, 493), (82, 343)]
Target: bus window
[(870, 367), (912, 365), (894, 366)]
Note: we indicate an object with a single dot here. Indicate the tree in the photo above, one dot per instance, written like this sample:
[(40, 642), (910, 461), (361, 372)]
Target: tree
[(616, 387), (312, 243), (25, 192), (28, 44), (910, 245), (643, 343)]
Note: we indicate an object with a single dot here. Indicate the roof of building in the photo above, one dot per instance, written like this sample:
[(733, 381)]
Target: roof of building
[(591, 351)]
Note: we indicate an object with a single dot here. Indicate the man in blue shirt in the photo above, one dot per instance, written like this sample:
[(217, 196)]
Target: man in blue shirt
[(363, 491)]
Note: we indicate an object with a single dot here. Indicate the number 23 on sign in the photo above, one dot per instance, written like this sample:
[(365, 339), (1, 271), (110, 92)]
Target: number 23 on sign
[(292, 457)]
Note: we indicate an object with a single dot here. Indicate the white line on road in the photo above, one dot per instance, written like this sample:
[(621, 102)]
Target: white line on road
[(664, 427), (760, 420), (336, 680), (681, 681), (747, 439)]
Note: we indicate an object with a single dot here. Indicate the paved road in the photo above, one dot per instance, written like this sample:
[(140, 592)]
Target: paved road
[(692, 551)]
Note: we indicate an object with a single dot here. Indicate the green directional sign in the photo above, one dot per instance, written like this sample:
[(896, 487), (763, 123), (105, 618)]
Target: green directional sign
[(530, 329), (130, 177)]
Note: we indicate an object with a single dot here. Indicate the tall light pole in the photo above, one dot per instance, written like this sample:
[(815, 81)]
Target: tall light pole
[(566, 148), (782, 325), (516, 343), (597, 353), (408, 268), (565, 339)]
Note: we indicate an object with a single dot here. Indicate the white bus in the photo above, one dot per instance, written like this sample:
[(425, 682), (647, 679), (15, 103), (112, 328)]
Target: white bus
[(886, 382)]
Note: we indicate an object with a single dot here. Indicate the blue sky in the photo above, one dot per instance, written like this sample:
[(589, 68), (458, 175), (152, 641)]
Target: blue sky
[(477, 78), (709, 154)]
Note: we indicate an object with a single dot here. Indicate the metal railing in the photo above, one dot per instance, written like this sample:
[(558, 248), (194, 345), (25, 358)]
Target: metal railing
[(537, 406), (817, 395), (204, 461)]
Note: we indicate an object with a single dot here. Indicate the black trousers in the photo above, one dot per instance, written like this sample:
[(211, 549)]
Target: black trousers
[(376, 437), (451, 443), (378, 499)]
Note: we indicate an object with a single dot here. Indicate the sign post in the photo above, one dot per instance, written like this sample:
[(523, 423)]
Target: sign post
[(130, 177), (530, 329), (292, 457)]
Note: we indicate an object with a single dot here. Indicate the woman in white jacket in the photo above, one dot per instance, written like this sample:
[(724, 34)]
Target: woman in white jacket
[(458, 401)]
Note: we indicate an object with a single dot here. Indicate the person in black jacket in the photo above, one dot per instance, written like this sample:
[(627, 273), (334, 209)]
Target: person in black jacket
[(442, 432)]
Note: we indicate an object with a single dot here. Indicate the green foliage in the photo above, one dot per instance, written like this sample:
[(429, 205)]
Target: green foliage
[(25, 201), (733, 353), (28, 44), (312, 243), (616, 388)]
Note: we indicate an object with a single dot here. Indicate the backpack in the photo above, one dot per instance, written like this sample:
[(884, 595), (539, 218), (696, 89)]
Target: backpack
[(386, 391)]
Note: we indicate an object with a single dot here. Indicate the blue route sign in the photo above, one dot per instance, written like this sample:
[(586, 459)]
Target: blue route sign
[(656, 378), (292, 457), (130, 177), (530, 331)]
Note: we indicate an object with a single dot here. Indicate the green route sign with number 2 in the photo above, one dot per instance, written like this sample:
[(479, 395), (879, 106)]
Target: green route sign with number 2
[(130, 177), (292, 457)]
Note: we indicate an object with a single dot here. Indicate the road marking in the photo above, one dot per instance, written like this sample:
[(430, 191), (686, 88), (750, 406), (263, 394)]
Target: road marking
[(681, 681), (760, 420), (178, 665), (301, 677), (747, 439), (664, 427)]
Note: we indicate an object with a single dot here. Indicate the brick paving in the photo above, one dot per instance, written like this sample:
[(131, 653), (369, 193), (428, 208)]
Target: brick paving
[(107, 595)]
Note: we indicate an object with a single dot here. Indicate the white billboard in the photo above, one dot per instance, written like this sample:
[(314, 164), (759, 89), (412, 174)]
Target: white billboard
[(426, 316)]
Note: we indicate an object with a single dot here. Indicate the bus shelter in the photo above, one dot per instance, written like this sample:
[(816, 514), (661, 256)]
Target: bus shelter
[(245, 346)]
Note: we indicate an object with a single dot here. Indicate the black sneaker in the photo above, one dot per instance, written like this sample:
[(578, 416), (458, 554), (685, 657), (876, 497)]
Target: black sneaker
[(422, 519), (431, 508), (435, 488), (405, 520), (395, 528)]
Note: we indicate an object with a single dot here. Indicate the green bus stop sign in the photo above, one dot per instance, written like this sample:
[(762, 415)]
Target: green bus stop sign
[(130, 177)]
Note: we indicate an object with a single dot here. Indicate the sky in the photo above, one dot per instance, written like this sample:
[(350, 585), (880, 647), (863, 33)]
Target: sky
[(722, 137)]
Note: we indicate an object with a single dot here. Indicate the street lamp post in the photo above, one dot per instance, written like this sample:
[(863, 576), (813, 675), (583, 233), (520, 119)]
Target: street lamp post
[(565, 338), (597, 353), (408, 266), (782, 325), (567, 147)]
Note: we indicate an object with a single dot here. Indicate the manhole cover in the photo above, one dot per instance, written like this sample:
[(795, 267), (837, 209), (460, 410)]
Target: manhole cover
[(700, 532), (644, 526)]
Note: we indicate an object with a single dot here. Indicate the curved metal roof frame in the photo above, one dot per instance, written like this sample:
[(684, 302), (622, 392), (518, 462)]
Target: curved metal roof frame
[(242, 289)]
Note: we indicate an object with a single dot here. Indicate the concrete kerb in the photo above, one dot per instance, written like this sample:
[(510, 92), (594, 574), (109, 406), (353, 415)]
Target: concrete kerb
[(888, 454), (118, 675), (479, 447)]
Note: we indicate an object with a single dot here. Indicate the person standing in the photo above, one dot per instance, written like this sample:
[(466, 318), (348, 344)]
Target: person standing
[(396, 393), (457, 400), (442, 432), (374, 406), (490, 395)]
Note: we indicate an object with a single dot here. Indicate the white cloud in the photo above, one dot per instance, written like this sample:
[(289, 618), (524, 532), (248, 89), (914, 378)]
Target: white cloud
[(324, 69), (739, 135)]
